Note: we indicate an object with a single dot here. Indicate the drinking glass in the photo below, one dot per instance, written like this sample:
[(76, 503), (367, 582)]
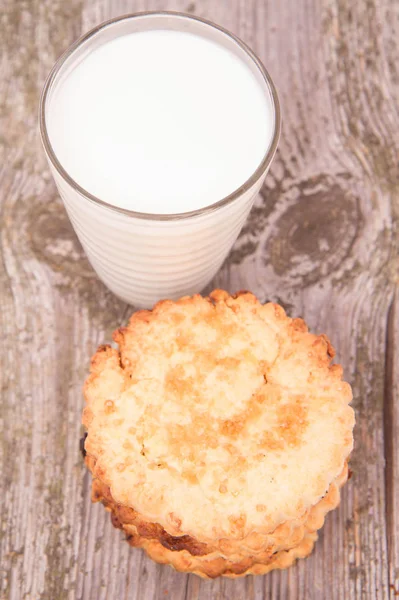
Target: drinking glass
[(142, 257)]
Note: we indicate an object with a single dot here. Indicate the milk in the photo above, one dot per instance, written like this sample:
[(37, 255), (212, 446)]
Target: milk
[(159, 129), (160, 121)]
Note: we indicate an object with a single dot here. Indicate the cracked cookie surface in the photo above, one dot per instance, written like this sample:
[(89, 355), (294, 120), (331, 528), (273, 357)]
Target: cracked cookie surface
[(218, 418)]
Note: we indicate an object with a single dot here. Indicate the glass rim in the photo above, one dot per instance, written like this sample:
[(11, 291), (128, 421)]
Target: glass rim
[(256, 175)]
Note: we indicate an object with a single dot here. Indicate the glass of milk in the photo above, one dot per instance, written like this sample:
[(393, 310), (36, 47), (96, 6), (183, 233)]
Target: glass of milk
[(159, 129)]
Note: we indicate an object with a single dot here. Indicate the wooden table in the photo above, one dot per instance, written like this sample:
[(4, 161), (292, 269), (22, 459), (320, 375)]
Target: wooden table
[(322, 239)]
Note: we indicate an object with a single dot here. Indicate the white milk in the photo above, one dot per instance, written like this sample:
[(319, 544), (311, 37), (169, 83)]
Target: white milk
[(147, 113), (160, 121)]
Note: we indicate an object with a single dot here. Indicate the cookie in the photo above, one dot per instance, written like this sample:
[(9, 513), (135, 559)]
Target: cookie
[(220, 423)]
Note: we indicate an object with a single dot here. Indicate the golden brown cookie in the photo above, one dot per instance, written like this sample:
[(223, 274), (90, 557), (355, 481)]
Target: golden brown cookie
[(219, 423), (184, 553)]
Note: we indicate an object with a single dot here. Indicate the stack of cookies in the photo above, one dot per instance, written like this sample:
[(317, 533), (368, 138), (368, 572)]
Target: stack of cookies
[(218, 434)]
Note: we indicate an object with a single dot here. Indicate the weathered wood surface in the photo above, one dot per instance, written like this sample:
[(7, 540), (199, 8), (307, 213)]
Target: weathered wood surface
[(322, 239)]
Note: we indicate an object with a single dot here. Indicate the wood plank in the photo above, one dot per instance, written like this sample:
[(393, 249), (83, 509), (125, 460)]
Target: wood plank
[(322, 239), (392, 445)]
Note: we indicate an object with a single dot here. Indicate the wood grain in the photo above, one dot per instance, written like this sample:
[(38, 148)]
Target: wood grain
[(391, 436), (322, 239)]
